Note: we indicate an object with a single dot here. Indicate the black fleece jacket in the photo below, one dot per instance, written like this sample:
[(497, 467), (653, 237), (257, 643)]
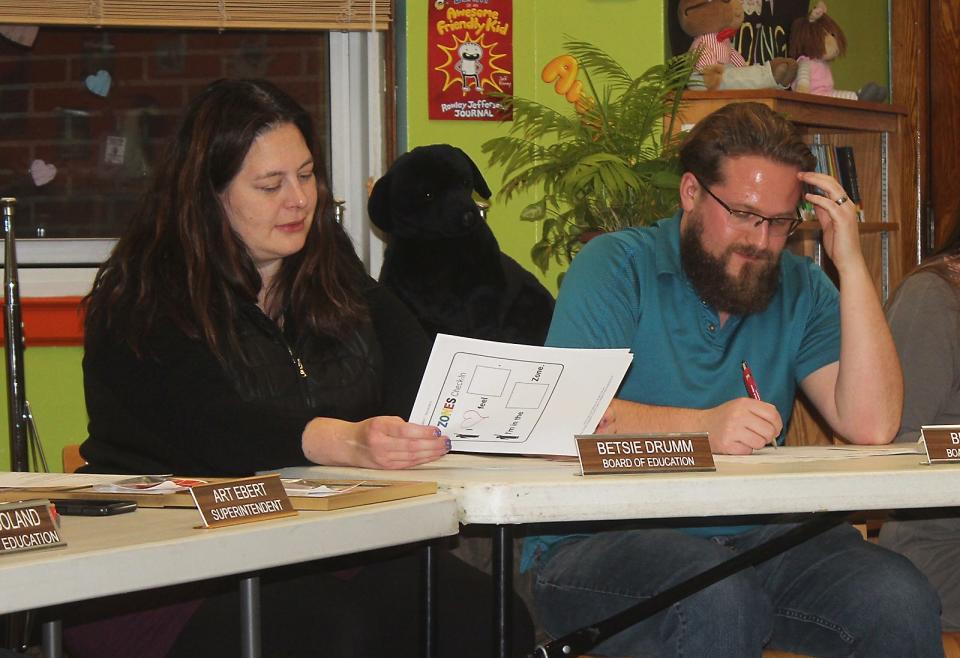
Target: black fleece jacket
[(178, 410)]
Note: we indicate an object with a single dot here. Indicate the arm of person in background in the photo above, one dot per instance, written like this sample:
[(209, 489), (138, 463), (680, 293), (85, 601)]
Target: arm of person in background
[(386, 442), (861, 396), (924, 319), (598, 307)]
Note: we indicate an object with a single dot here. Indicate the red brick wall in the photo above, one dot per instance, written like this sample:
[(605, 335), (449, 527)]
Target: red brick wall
[(47, 113)]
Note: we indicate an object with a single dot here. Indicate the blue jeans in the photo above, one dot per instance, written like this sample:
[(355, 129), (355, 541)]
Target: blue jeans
[(833, 595)]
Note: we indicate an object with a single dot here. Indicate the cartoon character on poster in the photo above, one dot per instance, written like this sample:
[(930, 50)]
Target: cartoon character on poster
[(470, 65), (469, 56)]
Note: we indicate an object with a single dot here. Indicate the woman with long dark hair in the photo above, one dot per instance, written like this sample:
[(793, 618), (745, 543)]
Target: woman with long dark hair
[(924, 317), (233, 330)]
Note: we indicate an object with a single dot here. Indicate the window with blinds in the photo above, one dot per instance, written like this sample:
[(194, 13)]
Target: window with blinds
[(216, 14), (88, 100)]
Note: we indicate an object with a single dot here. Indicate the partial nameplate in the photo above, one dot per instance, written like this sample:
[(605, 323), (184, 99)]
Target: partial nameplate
[(243, 500), (644, 453), (941, 442), (28, 526)]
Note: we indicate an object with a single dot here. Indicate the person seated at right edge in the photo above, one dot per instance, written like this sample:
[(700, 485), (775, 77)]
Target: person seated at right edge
[(924, 316), (692, 297)]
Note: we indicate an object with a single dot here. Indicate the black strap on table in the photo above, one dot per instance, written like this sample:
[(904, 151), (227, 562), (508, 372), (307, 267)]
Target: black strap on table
[(584, 639)]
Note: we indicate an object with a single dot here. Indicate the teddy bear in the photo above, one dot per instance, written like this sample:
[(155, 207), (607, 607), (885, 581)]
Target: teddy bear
[(815, 41), (442, 258), (713, 26)]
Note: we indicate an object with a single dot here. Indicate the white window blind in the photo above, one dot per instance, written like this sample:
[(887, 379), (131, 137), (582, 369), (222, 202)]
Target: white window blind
[(216, 14)]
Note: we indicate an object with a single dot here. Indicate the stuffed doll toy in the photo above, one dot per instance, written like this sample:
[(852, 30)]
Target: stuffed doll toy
[(815, 41), (713, 26), (443, 260)]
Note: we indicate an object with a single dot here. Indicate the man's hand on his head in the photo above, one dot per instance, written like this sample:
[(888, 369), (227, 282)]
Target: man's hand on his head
[(837, 215)]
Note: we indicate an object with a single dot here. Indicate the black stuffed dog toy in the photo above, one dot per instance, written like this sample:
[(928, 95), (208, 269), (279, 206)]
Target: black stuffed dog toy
[(443, 260)]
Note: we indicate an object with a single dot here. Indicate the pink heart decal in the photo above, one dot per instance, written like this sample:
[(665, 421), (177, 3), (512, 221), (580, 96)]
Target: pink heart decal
[(99, 83), (25, 35), (41, 172)]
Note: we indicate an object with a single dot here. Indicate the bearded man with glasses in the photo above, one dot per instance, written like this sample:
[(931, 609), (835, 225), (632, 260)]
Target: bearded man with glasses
[(693, 297)]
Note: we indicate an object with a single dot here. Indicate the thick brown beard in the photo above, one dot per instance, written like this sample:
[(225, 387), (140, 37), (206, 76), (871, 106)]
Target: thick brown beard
[(749, 292)]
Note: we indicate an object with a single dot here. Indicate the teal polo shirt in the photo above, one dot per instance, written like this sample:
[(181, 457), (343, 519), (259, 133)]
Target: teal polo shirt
[(628, 289)]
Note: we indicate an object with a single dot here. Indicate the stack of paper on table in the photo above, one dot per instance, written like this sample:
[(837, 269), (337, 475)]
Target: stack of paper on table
[(520, 399)]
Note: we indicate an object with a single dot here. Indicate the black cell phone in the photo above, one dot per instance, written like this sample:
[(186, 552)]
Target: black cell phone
[(92, 506)]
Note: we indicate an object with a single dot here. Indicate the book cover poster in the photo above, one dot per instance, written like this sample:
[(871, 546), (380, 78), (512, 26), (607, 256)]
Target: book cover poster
[(469, 56)]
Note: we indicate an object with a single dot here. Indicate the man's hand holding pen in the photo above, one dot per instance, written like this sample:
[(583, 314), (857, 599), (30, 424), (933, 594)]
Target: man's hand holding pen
[(736, 427), (750, 384), (742, 425)]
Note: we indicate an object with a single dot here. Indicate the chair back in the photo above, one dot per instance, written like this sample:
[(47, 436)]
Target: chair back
[(72, 459)]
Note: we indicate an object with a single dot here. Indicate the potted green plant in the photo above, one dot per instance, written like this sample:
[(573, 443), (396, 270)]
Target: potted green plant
[(609, 163)]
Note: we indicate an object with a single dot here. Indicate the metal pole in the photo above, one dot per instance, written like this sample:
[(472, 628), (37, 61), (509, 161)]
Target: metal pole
[(503, 589), (52, 639), (16, 390), (250, 617), (430, 601)]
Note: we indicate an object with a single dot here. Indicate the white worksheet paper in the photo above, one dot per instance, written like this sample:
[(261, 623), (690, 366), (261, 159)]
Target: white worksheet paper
[(516, 399)]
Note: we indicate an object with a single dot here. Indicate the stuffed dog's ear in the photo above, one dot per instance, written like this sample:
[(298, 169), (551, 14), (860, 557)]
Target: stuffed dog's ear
[(479, 184), (378, 206)]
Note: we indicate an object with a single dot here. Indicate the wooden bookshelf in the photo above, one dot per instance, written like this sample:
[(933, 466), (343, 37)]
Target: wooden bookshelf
[(872, 130), (866, 228)]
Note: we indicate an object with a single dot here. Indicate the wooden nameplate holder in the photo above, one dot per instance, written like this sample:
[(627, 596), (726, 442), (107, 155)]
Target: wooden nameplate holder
[(362, 492)]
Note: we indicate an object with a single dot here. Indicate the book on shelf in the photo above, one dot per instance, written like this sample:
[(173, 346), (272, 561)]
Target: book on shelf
[(807, 213), (847, 168), (831, 161), (838, 162)]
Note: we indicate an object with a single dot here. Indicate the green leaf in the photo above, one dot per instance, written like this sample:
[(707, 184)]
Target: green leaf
[(535, 211), (540, 255)]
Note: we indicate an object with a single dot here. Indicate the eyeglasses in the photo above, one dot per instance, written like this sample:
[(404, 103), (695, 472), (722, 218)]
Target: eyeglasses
[(745, 221)]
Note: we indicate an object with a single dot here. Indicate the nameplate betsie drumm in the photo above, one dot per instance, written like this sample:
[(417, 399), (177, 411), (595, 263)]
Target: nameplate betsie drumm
[(602, 454), (27, 526), (244, 500), (942, 443)]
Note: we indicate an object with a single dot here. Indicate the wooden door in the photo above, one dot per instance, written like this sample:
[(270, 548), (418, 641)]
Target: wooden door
[(925, 78), (944, 116)]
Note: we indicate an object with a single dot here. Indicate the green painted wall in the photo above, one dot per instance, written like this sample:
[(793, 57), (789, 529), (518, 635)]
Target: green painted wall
[(54, 384), (865, 25), (630, 30)]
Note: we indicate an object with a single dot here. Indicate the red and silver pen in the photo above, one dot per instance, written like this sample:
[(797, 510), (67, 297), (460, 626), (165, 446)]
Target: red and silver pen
[(748, 382), (751, 386)]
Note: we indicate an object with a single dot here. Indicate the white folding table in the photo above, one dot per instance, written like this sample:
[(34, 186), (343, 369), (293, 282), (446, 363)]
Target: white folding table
[(508, 490), (153, 548)]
